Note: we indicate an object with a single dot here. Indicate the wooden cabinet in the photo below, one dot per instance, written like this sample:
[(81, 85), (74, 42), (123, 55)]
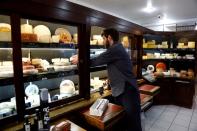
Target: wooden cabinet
[(165, 94), (175, 91), (183, 92)]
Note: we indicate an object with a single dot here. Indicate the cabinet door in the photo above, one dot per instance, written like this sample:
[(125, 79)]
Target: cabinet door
[(46, 51), (165, 94), (7, 88), (183, 93)]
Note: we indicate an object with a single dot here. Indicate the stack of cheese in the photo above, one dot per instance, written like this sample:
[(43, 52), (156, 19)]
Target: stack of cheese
[(40, 64), (181, 46), (125, 41), (6, 69), (96, 83), (61, 64), (5, 32), (191, 44), (150, 44)]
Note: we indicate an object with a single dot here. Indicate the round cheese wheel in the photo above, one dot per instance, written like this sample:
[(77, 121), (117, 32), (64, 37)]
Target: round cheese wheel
[(67, 87), (161, 66), (42, 30), (4, 27)]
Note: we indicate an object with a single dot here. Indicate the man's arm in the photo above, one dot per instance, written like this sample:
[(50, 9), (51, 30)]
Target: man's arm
[(104, 58)]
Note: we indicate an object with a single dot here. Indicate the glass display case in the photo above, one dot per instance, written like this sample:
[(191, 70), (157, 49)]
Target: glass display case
[(46, 51), (7, 88)]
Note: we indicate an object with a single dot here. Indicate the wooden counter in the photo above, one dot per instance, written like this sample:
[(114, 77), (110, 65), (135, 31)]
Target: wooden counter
[(110, 117), (178, 91), (59, 111)]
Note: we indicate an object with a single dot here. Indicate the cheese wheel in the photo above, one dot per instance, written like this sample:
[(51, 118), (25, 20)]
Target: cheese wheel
[(161, 66), (64, 34), (4, 27), (41, 30)]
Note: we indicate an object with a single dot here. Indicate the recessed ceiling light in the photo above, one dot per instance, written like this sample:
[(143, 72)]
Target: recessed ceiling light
[(149, 8)]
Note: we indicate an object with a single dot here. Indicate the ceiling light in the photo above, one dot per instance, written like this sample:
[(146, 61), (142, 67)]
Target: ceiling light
[(149, 8)]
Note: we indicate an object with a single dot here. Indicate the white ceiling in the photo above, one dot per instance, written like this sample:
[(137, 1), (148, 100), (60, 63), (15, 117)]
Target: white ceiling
[(176, 10)]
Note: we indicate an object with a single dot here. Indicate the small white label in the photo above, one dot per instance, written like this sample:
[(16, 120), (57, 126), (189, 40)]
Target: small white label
[(40, 124), (27, 128)]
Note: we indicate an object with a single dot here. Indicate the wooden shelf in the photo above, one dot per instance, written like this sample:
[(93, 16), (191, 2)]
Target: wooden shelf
[(169, 49), (98, 68), (97, 47), (177, 60), (5, 45), (39, 76), (49, 45)]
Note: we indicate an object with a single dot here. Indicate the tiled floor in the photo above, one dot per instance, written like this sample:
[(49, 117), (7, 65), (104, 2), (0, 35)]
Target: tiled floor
[(171, 118)]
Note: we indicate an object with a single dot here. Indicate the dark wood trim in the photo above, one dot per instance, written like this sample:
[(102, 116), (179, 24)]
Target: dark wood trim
[(139, 42), (17, 62)]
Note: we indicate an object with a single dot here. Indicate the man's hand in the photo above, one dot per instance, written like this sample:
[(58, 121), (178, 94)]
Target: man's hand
[(74, 59)]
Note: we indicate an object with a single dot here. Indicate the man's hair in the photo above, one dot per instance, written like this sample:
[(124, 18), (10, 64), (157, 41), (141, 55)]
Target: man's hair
[(112, 32)]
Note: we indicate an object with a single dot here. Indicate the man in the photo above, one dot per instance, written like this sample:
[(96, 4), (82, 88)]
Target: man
[(122, 80)]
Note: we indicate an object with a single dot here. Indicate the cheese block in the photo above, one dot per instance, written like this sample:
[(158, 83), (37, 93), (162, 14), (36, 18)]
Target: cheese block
[(6, 74), (66, 60), (5, 32), (6, 68), (125, 41), (5, 36), (99, 39), (30, 71), (28, 67), (26, 28), (36, 61), (75, 38), (191, 44), (55, 60), (93, 42), (55, 38), (26, 37), (7, 63)]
